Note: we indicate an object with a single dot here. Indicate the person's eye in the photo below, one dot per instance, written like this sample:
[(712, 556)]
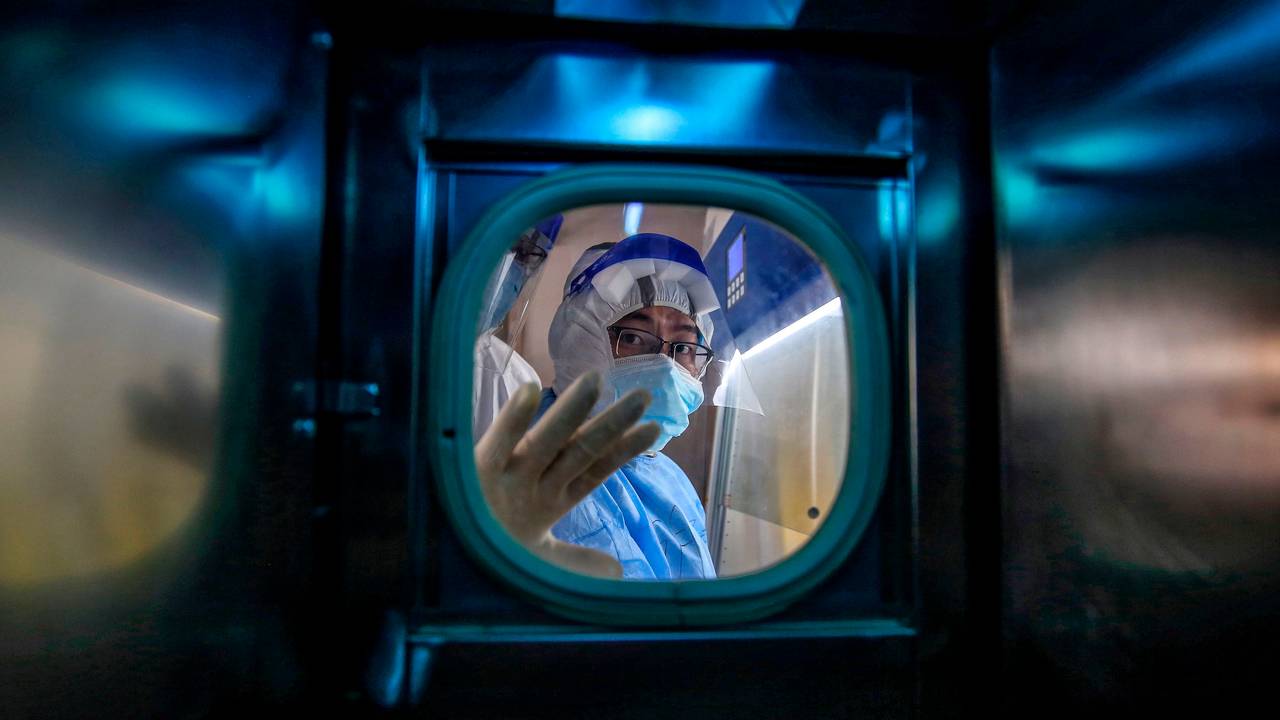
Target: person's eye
[(630, 338), (685, 349)]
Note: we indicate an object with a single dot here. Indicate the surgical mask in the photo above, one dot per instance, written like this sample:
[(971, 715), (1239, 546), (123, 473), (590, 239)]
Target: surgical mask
[(675, 392)]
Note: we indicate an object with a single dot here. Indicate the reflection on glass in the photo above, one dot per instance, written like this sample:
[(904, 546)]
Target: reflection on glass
[(499, 369), (107, 400), (782, 470), (734, 331)]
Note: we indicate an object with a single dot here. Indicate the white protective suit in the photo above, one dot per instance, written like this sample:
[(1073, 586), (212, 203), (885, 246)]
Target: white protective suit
[(499, 369), (491, 389), (578, 338), (646, 514)]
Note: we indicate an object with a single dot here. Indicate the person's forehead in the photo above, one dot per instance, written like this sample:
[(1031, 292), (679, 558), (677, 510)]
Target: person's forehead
[(662, 315)]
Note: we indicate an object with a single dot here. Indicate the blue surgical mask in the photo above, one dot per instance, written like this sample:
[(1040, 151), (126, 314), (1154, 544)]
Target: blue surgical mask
[(675, 392)]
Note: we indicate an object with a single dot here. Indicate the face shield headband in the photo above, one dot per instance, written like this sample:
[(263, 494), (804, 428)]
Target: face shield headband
[(679, 263), (614, 283)]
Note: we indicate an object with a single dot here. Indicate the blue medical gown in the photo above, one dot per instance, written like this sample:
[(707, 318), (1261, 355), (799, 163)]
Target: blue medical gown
[(647, 515)]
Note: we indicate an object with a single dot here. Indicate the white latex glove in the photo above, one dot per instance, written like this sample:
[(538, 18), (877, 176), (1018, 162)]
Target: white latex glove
[(533, 477)]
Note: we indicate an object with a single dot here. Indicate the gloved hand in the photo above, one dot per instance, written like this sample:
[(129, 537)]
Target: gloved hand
[(532, 478)]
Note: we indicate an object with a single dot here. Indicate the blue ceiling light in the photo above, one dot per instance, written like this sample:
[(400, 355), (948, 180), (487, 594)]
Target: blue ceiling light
[(646, 123), (631, 215), (645, 101), (143, 107), (150, 105), (723, 13), (580, 81), (634, 100), (1242, 45), (175, 85), (1148, 143)]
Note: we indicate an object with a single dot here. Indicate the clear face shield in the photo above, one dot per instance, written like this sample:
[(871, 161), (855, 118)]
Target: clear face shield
[(639, 272), (508, 293)]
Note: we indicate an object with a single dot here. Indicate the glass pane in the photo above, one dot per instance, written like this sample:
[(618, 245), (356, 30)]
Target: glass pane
[(736, 332)]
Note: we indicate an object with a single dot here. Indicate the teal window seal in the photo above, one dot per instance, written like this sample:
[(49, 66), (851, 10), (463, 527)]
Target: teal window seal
[(617, 602)]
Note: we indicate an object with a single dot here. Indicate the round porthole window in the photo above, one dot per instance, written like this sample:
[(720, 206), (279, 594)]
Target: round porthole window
[(659, 395)]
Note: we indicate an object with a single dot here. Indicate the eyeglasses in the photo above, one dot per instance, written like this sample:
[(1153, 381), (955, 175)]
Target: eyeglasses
[(629, 342)]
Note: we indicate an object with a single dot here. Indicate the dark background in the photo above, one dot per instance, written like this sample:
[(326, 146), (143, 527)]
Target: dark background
[(1082, 511)]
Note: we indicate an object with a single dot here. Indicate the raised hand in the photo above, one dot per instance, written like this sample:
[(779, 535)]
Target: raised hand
[(532, 477)]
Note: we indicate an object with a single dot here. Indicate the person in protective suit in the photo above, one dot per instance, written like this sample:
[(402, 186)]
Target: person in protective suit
[(499, 369), (630, 342)]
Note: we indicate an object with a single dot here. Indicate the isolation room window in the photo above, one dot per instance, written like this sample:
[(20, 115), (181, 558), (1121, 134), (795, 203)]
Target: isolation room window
[(754, 330)]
